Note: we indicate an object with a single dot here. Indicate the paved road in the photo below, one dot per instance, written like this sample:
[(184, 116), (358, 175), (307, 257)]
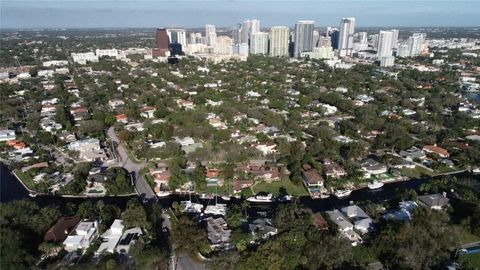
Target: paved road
[(141, 186)]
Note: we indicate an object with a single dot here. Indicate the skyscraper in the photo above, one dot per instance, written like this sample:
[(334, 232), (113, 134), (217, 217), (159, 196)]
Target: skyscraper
[(345, 42), (303, 37), (245, 31), (254, 26), (161, 40), (334, 37), (259, 43), (416, 43), (279, 36), (177, 36), (236, 33), (224, 45), (210, 34), (316, 37), (385, 39), (395, 38)]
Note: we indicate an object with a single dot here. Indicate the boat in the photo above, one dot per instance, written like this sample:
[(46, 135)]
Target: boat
[(33, 194), (261, 198), (190, 207), (217, 209), (226, 198), (342, 193), (285, 198), (476, 170), (163, 194), (375, 185)]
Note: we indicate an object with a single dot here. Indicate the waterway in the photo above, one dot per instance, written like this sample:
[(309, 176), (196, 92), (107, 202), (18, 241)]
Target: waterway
[(11, 190)]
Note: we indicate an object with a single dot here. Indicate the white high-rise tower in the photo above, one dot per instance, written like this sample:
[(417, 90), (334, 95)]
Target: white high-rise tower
[(303, 37), (345, 42), (279, 41)]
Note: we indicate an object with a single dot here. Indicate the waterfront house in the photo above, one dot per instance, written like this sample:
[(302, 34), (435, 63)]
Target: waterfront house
[(161, 174), (262, 228), (413, 153), (238, 185), (85, 233), (212, 177), (434, 201), (333, 169), (344, 226), (312, 180), (128, 239), (61, 229), (436, 150), (111, 238), (371, 166), (218, 234)]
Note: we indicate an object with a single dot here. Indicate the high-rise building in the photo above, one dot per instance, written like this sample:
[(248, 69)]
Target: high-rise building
[(236, 33), (316, 37), (254, 26), (241, 49), (403, 50), (303, 37), (416, 43), (192, 38), (210, 35), (177, 36), (394, 38), (334, 37), (385, 39), (324, 41), (259, 43), (279, 39), (161, 40), (245, 31), (345, 42), (224, 45), (363, 37)]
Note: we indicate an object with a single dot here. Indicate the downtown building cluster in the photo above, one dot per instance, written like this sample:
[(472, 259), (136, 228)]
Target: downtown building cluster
[(303, 41)]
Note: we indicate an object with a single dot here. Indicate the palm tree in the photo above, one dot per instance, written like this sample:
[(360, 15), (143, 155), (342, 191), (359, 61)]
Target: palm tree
[(245, 205)]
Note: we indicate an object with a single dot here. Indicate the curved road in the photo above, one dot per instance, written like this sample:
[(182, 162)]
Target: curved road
[(141, 186)]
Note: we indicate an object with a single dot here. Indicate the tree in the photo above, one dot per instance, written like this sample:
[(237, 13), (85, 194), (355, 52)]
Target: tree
[(245, 205), (189, 238), (134, 215)]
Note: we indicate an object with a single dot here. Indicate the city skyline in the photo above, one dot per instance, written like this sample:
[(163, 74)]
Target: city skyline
[(133, 14)]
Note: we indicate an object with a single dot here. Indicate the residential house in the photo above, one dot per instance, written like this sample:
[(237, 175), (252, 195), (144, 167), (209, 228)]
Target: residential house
[(266, 148), (262, 228), (122, 118), (413, 153), (312, 180), (434, 201), (147, 112), (362, 222), (7, 135), (88, 149), (186, 104), (61, 229), (238, 185), (128, 239), (238, 116), (185, 141), (319, 222), (111, 238), (333, 169), (116, 104), (372, 167), (344, 226), (218, 234), (161, 175), (85, 233), (436, 150), (79, 114), (265, 173), (212, 177)]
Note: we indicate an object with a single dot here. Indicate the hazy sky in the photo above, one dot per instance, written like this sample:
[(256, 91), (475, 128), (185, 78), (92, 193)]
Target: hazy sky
[(196, 13)]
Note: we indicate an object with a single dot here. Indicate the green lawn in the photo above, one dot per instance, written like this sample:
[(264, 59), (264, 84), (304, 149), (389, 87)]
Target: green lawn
[(274, 187), (26, 179), (466, 237), (417, 172), (472, 260)]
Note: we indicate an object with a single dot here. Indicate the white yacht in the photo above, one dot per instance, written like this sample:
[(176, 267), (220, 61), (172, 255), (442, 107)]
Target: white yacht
[(342, 193), (375, 185), (217, 209), (190, 207), (261, 198)]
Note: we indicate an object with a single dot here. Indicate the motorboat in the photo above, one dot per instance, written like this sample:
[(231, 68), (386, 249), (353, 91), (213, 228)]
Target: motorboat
[(217, 209), (163, 194), (226, 198), (190, 207), (476, 170), (285, 198), (375, 185), (261, 198), (33, 194), (342, 193)]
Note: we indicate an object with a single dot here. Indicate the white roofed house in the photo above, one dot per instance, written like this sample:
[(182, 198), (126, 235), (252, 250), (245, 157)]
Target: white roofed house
[(111, 237), (372, 167), (345, 227), (82, 236), (116, 104), (147, 112), (362, 222), (266, 148), (88, 149), (333, 169), (7, 135)]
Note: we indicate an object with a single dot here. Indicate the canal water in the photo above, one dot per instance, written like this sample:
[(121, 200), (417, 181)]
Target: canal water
[(12, 190)]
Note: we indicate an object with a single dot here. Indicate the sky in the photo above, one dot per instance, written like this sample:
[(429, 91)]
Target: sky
[(226, 13)]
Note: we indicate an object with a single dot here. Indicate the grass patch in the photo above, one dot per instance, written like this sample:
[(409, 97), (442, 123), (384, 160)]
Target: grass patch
[(470, 260), (417, 172), (274, 188), (26, 178), (466, 237)]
